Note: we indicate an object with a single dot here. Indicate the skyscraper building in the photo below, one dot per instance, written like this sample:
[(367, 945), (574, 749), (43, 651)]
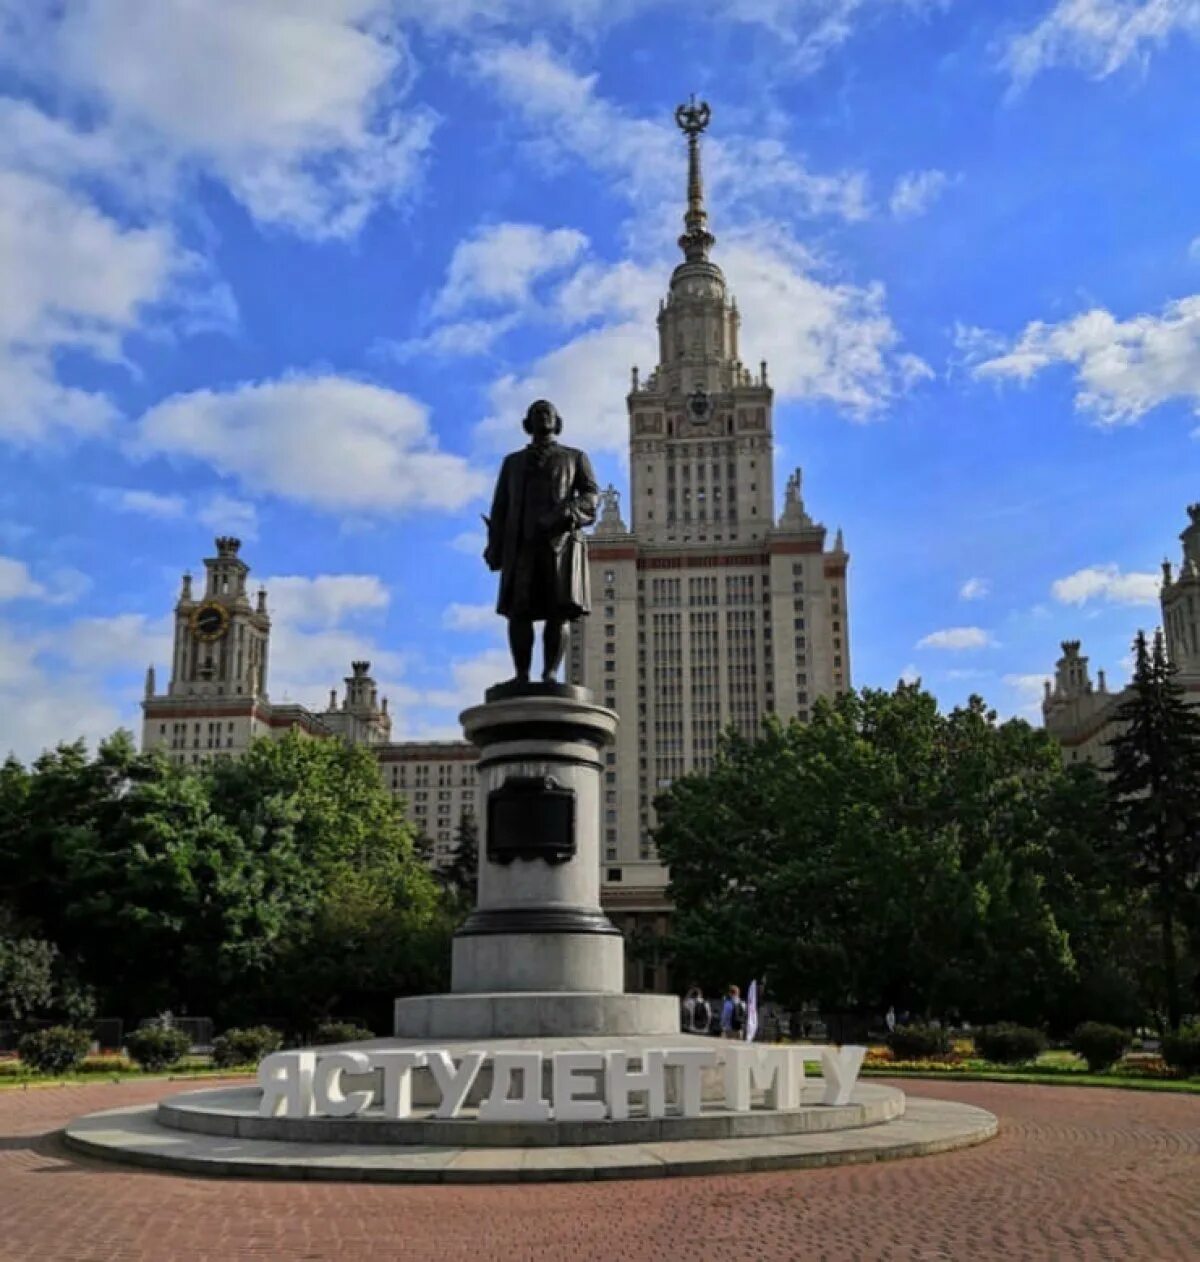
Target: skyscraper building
[(708, 610)]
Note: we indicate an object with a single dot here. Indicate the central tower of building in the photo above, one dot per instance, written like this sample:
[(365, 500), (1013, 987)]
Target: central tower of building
[(708, 610)]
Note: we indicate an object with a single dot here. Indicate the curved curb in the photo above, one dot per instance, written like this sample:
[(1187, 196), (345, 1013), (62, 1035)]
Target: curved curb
[(132, 1136)]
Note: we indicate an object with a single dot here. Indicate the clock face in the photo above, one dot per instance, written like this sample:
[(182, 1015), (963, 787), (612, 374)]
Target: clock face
[(209, 622)]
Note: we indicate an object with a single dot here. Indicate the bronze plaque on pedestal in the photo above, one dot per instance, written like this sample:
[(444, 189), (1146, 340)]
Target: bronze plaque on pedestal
[(531, 817)]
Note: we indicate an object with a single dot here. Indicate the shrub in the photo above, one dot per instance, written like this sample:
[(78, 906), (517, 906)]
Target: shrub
[(1009, 1044), (916, 1042), (341, 1032), (1181, 1050), (245, 1047), (56, 1050), (156, 1047), (1099, 1044)]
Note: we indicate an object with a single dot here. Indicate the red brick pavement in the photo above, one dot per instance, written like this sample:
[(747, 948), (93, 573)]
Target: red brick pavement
[(1074, 1173)]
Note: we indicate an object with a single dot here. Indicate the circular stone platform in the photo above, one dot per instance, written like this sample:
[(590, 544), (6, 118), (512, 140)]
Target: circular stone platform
[(218, 1132)]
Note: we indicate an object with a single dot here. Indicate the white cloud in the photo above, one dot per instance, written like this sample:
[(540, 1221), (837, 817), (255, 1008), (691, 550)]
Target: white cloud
[(578, 377), (41, 707), (1098, 36), (298, 110), (1107, 583), (16, 582), (458, 617), (332, 442), (146, 503), (1193, 250), (500, 264), (74, 279), (471, 677), (643, 159), (460, 338), (1031, 685), (1123, 369), (915, 192), (974, 589), (910, 674), (60, 587), (470, 542), (809, 30), (832, 342), (226, 515), (107, 643), (956, 638), (324, 599)]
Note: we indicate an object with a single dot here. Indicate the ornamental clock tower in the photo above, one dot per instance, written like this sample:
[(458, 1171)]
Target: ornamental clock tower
[(216, 700), (220, 638)]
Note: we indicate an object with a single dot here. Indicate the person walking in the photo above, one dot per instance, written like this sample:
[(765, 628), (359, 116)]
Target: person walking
[(697, 1015), (733, 1014)]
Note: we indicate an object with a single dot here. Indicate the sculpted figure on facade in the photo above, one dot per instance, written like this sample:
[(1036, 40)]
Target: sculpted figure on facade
[(545, 495)]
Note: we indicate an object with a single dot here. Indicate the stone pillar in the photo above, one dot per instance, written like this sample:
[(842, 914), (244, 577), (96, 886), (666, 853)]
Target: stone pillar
[(537, 925)]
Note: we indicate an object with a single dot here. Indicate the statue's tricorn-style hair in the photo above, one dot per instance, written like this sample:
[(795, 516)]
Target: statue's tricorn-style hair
[(542, 403)]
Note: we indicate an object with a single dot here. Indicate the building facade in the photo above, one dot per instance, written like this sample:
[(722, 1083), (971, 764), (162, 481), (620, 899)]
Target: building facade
[(1080, 715), (708, 611), (217, 702)]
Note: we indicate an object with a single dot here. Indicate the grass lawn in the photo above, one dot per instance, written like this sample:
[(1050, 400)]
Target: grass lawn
[(15, 1076)]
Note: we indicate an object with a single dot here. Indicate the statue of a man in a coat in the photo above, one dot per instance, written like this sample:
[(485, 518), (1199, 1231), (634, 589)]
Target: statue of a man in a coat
[(545, 495)]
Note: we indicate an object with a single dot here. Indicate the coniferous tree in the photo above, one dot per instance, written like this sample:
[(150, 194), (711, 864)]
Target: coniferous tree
[(1156, 789), (461, 873)]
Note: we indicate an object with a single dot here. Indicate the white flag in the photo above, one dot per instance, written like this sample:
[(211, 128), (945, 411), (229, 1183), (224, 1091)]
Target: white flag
[(752, 1011)]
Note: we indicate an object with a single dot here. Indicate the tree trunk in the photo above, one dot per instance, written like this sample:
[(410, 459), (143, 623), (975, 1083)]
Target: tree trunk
[(1169, 961)]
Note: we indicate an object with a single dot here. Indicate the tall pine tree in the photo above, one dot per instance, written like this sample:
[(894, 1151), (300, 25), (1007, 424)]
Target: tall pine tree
[(1156, 788)]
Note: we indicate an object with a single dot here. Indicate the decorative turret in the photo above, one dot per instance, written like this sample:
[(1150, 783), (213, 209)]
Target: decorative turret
[(150, 681), (360, 719), (1071, 678)]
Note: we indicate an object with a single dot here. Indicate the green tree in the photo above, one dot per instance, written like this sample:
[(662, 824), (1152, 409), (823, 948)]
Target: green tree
[(1156, 796), (273, 885), (883, 854)]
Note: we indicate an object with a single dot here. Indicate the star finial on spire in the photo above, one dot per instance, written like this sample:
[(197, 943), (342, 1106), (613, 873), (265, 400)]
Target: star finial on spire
[(696, 241)]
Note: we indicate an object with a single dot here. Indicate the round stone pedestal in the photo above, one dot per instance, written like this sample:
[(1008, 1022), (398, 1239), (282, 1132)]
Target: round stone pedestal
[(537, 925)]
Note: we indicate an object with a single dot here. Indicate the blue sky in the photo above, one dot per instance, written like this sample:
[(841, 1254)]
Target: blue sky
[(294, 270)]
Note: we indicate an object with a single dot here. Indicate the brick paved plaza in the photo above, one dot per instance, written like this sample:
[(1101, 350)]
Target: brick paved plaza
[(1074, 1173)]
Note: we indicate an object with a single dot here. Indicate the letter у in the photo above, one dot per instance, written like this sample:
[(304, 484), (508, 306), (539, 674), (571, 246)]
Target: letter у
[(840, 1067), (396, 1069), (451, 1082), (528, 1106), (286, 1079)]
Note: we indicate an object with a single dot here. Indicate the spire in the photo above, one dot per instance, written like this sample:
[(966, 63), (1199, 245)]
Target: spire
[(696, 241), (150, 684)]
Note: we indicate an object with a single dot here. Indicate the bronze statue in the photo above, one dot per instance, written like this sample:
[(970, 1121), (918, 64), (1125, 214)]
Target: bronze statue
[(545, 494)]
